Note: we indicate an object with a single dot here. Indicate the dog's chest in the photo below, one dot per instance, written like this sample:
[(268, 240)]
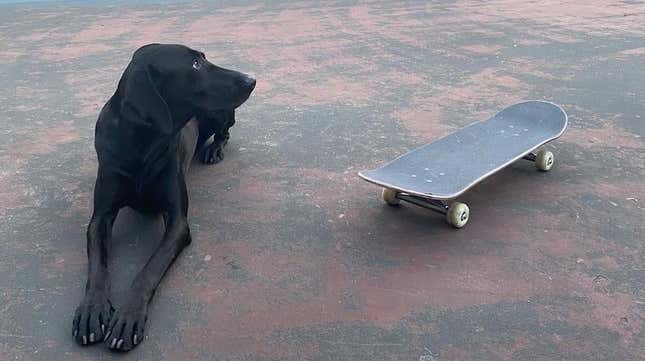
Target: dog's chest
[(145, 192), (144, 200)]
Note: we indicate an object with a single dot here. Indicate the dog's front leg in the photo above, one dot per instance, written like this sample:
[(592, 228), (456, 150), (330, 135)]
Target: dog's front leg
[(218, 126), (93, 315), (127, 326)]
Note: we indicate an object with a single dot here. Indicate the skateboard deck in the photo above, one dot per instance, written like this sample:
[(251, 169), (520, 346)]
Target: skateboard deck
[(447, 167)]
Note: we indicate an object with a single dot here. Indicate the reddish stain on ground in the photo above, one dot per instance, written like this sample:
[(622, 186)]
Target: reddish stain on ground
[(482, 49), (634, 51), (490, 86), (423, 115), (29, 143), (302, 288), (541, 69), (392, 294), (591, 17), (363, 262), (608, 136), (44, 140), (379, 296), (11, 189), (92, 88), (103, 29), (397, 24), (10, 56), (422, 120), (305, 49), (610, 310), (333, 90), (531, 42), (606, 262), (99, 36), (400, 78), (609, 188), (73, 51)]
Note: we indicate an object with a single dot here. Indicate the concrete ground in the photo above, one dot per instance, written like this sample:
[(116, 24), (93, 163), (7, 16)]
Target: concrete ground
[(294, 257)]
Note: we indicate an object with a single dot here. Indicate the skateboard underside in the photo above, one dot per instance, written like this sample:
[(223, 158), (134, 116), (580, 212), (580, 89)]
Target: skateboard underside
[(447, 167)]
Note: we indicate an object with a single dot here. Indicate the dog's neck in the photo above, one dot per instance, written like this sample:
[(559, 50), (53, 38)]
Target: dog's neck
[(181, 115), (140, 150)]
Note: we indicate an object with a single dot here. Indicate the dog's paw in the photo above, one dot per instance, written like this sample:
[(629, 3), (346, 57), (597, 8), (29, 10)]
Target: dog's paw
[(91, 319), (127, 327), (212, 154)]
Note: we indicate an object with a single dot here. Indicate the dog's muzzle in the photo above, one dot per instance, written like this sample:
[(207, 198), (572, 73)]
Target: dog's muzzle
[(247, 82)]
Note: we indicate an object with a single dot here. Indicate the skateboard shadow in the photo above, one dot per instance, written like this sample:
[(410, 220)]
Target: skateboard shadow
[(501, 193)]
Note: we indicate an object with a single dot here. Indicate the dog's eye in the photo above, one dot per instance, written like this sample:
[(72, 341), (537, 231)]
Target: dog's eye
[(196, 64)]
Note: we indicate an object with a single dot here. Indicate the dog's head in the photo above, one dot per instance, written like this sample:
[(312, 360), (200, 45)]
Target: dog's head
[(165, 80)]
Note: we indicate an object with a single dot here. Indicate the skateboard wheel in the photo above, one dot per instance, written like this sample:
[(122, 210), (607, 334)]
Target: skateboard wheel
[(389, 197), (544, 160), (458, 214)]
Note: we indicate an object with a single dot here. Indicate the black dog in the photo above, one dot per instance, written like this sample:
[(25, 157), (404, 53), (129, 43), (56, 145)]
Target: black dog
[(169, 101)]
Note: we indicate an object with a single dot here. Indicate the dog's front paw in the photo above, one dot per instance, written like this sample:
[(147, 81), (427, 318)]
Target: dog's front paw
[(213, 153), (127, 326), (91, 319)]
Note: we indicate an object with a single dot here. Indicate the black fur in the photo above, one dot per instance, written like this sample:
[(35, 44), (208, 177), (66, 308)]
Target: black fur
[(169, 102)]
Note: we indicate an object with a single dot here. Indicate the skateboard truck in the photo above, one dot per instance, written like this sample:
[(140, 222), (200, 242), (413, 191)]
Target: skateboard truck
[(543, 159), (457, 213), (436, 205)]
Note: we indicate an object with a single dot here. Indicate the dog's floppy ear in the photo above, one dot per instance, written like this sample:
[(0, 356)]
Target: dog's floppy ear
[(141, 102)]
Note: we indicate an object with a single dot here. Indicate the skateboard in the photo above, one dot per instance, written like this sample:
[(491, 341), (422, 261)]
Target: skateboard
[(433, 174)]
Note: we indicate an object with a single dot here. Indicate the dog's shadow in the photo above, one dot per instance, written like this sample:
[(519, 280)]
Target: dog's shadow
[(135, 237)]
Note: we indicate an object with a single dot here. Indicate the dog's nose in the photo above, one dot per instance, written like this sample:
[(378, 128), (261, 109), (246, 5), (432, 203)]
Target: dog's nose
[(248, 82)]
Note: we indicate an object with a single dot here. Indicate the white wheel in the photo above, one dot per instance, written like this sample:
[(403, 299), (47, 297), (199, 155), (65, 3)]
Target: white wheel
[(389, 197), (544, 160), (458, 214)]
